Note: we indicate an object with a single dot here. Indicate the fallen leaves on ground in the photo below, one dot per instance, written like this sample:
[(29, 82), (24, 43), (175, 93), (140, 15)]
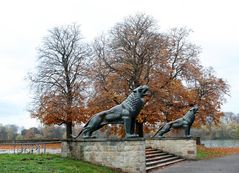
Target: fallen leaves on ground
[(11, 146), (207, 153)]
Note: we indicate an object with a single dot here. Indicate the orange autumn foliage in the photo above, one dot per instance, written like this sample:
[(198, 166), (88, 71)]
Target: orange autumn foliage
[(135, 53), (59, 81), (132, 53)]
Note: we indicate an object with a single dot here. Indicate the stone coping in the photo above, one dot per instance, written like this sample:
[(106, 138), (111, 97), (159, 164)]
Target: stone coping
[(128, 139), (105, 140), (172, 138)]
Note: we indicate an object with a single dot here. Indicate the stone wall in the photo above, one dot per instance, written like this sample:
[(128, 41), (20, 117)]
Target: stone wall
[(127, 155), (185, 147)]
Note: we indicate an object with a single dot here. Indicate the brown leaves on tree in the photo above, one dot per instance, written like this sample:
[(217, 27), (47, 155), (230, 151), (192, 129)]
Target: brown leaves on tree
[(135, 53), (68, 88), (59, 83)]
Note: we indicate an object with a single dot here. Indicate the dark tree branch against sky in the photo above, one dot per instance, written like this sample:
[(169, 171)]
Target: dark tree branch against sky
[(135, 53), (60, 78)]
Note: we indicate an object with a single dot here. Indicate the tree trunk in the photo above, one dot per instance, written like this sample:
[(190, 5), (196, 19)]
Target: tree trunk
[(140, 129), (69, 130)]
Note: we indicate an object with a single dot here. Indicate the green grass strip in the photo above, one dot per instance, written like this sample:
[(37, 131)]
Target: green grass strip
[(44, 163)]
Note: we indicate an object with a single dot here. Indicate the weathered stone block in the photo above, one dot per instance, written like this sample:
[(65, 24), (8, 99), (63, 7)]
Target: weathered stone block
[(128, 155)]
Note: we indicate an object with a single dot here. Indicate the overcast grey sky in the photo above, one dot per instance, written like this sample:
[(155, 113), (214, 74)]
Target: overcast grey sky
[(24, 23)]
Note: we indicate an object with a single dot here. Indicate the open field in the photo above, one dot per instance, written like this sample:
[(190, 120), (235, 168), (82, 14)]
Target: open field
[(45, 163)]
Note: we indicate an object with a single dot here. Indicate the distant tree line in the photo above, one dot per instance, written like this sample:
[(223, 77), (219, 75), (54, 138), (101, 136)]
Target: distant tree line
[(227, 128), (13, 132)]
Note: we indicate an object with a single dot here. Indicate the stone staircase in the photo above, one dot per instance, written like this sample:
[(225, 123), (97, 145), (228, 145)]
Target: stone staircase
[(158, 159)]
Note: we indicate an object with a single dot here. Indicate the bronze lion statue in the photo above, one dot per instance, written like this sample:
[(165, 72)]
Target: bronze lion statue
[(124, 113), (185, 122)]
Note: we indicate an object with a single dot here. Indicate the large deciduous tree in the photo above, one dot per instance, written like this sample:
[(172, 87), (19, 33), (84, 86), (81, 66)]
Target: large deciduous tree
[(134, 52), (60, 79), (210, 91), (125, 57)]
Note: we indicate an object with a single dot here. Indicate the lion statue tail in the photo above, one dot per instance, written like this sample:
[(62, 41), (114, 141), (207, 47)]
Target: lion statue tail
[(78, 134), (160, 128), (83, 129)]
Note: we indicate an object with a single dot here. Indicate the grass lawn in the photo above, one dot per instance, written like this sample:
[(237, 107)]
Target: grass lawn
[(34, 163), (207, 153)]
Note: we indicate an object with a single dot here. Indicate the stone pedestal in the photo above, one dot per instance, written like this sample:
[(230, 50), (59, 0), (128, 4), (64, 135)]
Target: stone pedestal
[(127, 155)]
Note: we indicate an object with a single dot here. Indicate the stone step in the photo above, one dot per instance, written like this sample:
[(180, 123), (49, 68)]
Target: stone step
[(150, 149), (171, 158), (155, 155), (153, 152), (159, 157), (160, 165)]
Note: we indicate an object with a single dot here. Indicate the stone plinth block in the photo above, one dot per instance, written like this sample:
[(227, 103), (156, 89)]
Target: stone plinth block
[(125, 154)]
